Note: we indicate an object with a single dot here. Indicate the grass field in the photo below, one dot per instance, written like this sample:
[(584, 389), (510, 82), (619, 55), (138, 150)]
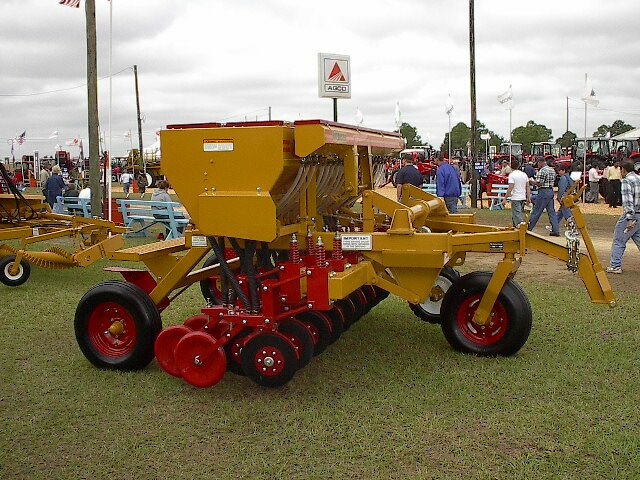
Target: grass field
[(389, 400)]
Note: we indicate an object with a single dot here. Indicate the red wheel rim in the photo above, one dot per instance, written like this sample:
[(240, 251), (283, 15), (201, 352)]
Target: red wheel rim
[(269, 361), (483, 335), (165, 347), (112, 330), (199, 359)]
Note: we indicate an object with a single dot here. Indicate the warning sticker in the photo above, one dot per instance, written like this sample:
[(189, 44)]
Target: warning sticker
[(356, 242), (217, 145), (199, 241)]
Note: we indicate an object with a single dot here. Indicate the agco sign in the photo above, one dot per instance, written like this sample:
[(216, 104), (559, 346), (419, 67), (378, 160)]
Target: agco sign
[(334, 76)]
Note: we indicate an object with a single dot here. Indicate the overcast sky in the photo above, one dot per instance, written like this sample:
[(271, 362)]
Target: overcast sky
[(209, 60)]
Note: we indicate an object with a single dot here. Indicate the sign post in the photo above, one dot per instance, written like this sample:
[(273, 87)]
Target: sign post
[(334, 78)]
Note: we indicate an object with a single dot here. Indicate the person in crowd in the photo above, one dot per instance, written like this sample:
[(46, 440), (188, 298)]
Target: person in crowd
[(614, 176), (529, 170), (627, 226), (408, 174), (85, 192), (55, 186), (126, 179), (593, 196), (71, 191), (544, 180), (519, 193), (506, 168), (565, 182), (141, 180), (448, 184), (161, 194), (43, 176)]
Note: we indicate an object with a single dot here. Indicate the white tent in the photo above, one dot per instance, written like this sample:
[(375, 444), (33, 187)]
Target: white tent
[(630, 135)]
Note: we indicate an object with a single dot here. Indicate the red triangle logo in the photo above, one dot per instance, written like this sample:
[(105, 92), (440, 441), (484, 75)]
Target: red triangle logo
[(336, 74)]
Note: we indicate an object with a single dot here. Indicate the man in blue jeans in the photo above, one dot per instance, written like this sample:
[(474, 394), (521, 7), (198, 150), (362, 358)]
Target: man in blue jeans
[(448, 184), (627, 226), (544, 180)]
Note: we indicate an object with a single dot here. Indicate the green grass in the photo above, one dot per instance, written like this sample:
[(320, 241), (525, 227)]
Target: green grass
[(389, 400)]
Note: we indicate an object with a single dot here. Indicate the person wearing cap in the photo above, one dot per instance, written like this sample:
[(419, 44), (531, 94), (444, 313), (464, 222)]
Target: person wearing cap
[(55, 186), (408, 174), (544, 180)]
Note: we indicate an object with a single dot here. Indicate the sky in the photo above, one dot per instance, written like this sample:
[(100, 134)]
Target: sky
[(215, 61)]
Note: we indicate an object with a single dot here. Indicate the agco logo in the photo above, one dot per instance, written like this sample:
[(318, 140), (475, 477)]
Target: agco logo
[(337, 88)]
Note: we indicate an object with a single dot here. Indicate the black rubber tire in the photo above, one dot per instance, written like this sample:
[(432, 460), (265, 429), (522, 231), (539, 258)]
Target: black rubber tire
[(263, 342), (429, 311), (24, 271), (208, 292), (348, 308), (336, 317), (141, 314), (511, 327), (298, 333)]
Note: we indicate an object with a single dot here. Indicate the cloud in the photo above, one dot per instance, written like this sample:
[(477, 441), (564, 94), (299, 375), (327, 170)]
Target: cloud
[(209, 60)]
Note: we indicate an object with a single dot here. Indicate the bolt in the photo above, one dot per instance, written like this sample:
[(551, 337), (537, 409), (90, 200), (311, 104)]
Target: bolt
[(265, 289), (308, 273), (244, 321), (281, 267), (269, 362), (196, 360), (267, 321), (310, 306)]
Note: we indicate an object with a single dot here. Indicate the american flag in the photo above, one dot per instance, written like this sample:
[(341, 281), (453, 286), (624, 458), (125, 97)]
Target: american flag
[(21, 138), (70, 3)]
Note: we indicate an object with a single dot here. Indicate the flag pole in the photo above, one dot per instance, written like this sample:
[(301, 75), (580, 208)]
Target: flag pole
[(108, 166)]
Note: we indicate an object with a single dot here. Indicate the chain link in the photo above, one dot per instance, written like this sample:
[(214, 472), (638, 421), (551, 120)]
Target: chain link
[(573, 245)]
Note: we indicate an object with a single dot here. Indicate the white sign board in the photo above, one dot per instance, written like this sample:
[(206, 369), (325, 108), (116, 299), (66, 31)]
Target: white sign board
[(334, 76)]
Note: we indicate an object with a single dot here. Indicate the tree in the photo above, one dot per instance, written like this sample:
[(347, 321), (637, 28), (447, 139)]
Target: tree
[(461, 135), (410, 133), (616, 128), (566, 140), (531, 132)]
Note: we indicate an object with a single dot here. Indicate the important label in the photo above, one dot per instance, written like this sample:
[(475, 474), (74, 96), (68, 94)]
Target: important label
[(356, 242), (217, 145), (199, 241)]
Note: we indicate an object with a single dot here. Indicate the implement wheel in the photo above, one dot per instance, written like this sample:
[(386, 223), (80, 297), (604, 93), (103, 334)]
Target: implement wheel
[(508, 328), (116, 325), (200, 360), (269, 359), (298, 334), (319, 325), (429, 311), (21, 276)]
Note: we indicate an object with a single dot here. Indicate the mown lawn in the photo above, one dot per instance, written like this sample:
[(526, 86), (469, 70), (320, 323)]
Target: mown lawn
[(389, 400)]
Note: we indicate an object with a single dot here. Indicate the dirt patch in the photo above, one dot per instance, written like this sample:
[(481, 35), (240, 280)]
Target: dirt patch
[(600, 223)]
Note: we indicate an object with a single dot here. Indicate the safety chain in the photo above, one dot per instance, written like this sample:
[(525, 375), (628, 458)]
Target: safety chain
[(573, 245)]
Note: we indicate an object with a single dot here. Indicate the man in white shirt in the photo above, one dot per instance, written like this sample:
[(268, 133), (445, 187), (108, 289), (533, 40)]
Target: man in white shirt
[(594, 185), (126, 179), (519, 192)]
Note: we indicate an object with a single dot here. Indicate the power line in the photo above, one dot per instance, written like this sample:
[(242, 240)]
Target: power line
[(60, 89)]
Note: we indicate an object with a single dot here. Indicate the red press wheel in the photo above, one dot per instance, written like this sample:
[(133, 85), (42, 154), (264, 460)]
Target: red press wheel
[(196, 322), (319, 326), (200, 360), (166, 345)]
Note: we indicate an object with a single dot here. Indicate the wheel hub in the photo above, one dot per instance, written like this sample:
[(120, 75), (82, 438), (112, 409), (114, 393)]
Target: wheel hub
[(116, 328)]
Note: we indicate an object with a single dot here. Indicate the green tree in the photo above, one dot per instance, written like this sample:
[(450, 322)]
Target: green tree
[(410, 133), (531, 132), (566, 140), (616, 128), (461, 134)]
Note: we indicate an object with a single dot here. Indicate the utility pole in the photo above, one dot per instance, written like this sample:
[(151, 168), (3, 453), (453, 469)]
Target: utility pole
[(144, 164), (92, 101), (472, 67)]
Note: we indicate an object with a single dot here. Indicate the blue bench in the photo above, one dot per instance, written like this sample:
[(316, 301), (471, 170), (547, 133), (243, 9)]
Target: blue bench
[(73, 206), (139, 215), (498, 192), (466, 191)]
